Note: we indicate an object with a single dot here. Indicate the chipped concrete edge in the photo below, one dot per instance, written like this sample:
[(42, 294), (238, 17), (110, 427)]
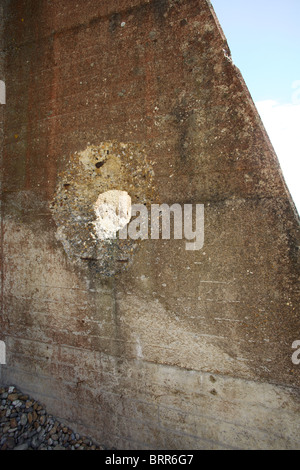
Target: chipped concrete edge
[(256, 114)]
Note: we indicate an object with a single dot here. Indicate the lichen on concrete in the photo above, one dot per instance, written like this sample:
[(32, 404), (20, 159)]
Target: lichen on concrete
[(99, 169)]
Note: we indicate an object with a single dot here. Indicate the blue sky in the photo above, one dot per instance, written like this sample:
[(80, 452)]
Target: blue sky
[(264, 39)]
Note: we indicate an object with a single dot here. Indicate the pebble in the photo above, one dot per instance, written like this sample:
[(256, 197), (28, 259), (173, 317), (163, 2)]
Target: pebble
[(26, 425)]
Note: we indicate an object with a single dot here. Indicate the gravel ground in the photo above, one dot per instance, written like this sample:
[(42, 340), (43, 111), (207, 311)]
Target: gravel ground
[(25, 425)]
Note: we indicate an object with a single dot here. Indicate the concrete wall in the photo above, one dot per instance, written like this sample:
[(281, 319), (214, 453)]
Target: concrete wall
[(144, 345)]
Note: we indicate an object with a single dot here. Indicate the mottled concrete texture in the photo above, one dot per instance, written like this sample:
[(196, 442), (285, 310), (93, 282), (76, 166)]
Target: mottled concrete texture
[(178, 349)]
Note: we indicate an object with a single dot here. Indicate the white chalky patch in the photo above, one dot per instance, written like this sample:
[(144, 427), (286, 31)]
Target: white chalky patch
[(113, 212)]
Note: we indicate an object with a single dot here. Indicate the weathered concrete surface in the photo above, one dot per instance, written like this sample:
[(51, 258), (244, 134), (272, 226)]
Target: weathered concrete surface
[(181, 349), (111, 166)]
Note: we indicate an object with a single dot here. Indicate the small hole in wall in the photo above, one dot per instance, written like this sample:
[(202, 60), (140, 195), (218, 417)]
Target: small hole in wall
[(99, 164)]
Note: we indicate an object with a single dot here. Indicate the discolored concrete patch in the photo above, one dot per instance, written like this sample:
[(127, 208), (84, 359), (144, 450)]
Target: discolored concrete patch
[(113, 211), (107, 167)]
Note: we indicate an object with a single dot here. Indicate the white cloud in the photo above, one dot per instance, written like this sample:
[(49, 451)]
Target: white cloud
[(282, 123)]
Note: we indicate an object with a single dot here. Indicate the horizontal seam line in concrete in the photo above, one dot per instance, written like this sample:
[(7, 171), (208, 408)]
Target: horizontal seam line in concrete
[(284, 387), (128, 342), (164, 406), (197, 438), (78, 27), (164, 428)]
